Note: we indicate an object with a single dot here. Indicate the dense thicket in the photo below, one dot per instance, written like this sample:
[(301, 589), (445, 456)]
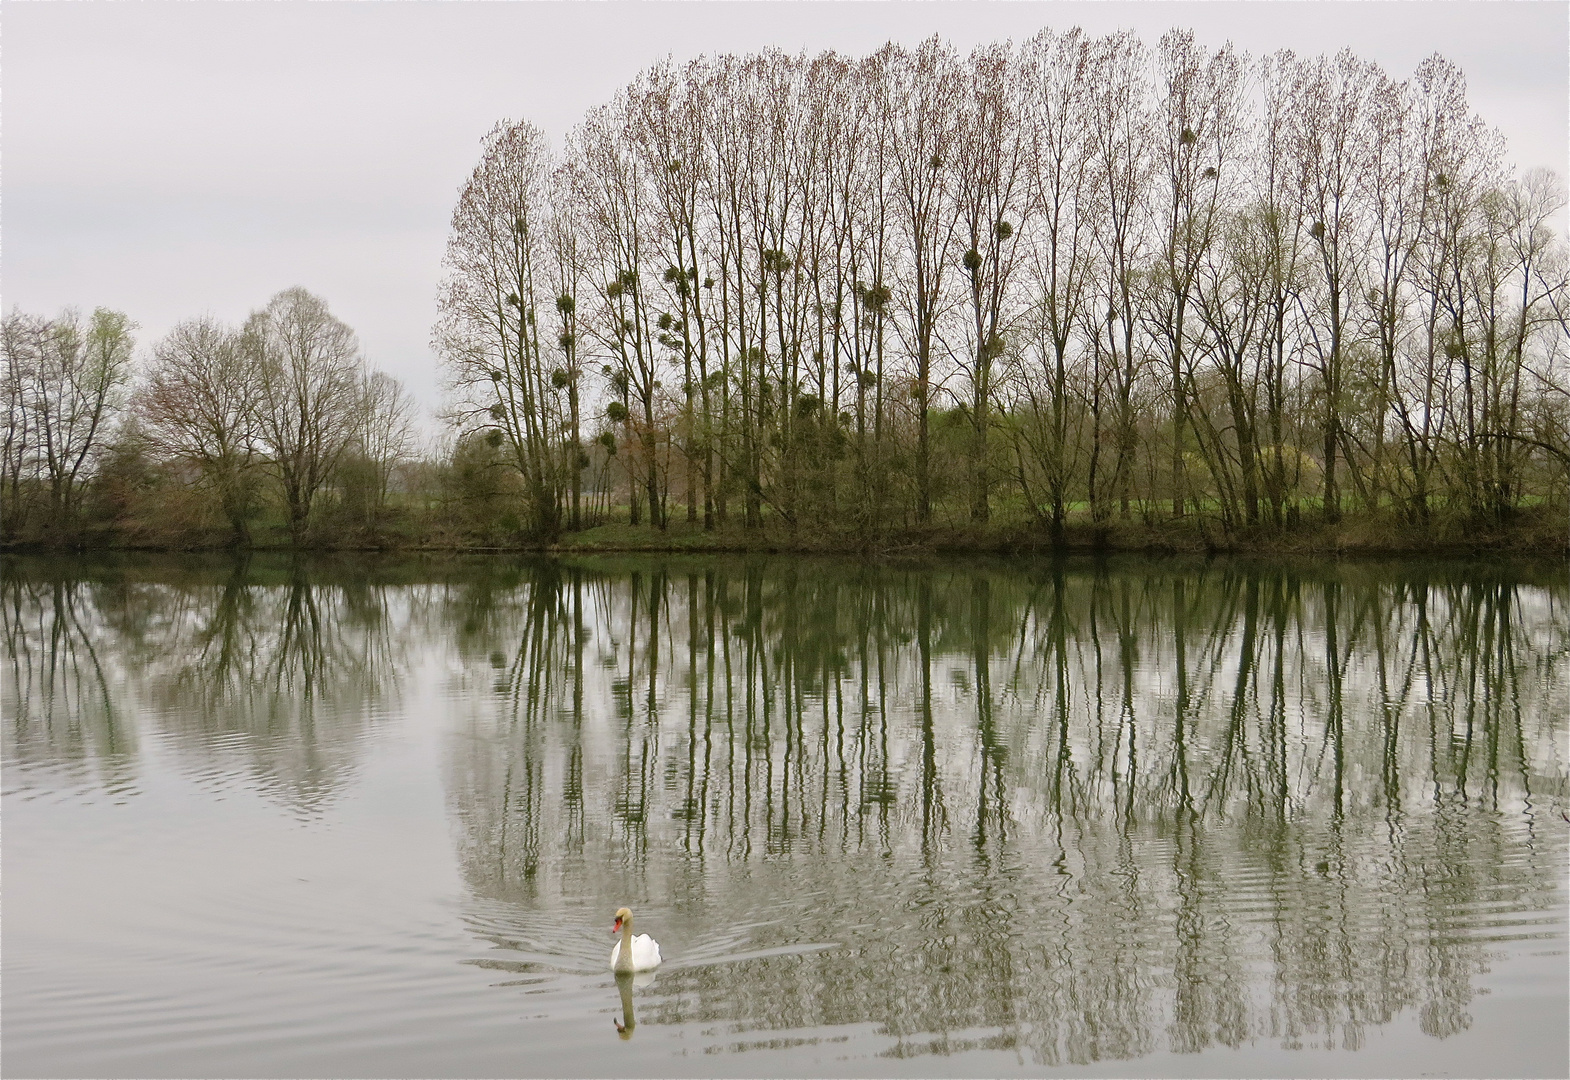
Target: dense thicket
[(1073, 279)]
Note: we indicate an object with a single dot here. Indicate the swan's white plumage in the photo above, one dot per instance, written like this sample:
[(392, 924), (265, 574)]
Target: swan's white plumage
[(642, 952), (645, 953)]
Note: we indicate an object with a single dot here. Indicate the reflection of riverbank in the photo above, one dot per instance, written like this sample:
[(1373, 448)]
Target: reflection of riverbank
[(991, 698), (1101, 815), (1079, 811), (1116, 944), (279, 681)]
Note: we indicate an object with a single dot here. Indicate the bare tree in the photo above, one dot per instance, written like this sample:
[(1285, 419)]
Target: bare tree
[(1062, 203), (568, 279), (1278, 186), (308, 383), (992, 163), (729, 142), (920, 94), (65, 384), (386, 435), (607, 181), (199, 405), (862, 196), (667, 133), (1394, 200), (498, 268), (1231, 298), (1199, 136), (21, 348), (1122, 127), (1459, 271), (1334, 148)]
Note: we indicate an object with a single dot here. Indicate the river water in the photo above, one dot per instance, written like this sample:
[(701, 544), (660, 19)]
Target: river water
[(1157, 818)]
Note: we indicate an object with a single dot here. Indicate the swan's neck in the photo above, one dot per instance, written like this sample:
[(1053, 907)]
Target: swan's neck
[(624, 958)]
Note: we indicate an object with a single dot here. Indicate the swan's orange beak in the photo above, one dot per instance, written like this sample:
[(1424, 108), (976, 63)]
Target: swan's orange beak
[(617, 928)]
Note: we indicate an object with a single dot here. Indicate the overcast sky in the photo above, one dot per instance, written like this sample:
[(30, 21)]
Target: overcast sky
[(169, 159)]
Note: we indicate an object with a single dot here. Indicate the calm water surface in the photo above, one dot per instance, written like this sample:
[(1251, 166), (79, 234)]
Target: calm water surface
[(1130, 818)]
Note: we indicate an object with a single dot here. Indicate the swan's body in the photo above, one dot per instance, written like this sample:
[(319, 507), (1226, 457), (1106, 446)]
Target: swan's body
[(644, 953), (632, 953)]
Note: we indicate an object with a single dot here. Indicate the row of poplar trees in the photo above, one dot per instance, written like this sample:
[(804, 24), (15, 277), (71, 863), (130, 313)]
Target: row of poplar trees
[(1075, 278)]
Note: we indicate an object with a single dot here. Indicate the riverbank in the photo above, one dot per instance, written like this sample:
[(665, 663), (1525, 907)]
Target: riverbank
[(1532, 534)]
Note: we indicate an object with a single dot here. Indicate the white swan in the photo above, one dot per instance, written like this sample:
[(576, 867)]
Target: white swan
[(632, 953)]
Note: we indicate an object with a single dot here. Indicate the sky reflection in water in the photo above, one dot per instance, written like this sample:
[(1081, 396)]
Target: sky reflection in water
[(966, 817)]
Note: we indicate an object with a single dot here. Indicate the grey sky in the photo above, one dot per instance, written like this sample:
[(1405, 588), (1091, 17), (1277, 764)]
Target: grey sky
[(168, 159)]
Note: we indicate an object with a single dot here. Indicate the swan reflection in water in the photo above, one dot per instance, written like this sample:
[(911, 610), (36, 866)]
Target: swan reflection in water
[(625, 981)]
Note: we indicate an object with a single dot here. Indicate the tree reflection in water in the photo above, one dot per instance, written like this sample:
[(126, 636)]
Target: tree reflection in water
[(58, 696), (269, 673), (1084, 812)]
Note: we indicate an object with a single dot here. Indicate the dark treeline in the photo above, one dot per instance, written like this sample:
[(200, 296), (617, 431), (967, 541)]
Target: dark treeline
[(1074, 279), (1071, 284)]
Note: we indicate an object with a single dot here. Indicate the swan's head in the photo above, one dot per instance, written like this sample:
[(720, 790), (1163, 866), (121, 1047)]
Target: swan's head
[(623, 916)]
